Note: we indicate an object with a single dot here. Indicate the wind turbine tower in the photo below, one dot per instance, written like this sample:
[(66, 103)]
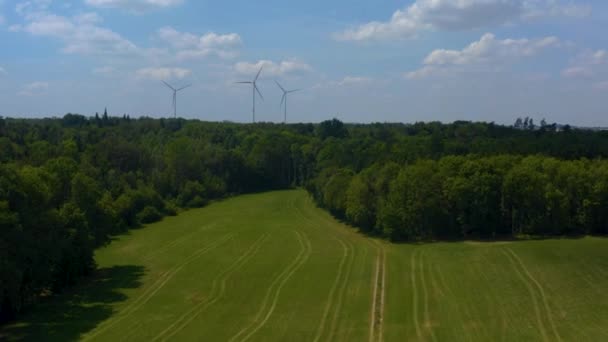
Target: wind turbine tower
[(284, 99), (175, 91), (255, 89)]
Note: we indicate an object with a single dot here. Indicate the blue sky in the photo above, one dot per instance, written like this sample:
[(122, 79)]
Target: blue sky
[(360, 61)]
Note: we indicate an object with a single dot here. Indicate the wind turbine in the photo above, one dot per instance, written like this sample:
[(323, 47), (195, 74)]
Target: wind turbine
[(175, 96), (284, 99), (255, 89)]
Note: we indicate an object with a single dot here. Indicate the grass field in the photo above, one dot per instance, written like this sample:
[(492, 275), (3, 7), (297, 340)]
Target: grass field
[(273, 267)]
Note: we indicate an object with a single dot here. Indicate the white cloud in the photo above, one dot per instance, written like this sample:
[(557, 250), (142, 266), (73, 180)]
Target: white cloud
[(352, 80), (89, 18), (599, 57), (590, 65), (160, 74), (489, 48), (534, 9), (32, 6), (348, 81), (80, 34), (191, 46), (487, 51), (577, 72), (271, 68), (587, 64), (105, 70), (134, 5), (33, 88), (454, 15)]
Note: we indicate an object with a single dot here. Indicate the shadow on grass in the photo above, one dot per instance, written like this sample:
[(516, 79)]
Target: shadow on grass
[(67, 316)]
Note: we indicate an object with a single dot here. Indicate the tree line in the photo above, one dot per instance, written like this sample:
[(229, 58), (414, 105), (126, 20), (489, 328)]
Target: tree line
[(68, 184), (459, 197)]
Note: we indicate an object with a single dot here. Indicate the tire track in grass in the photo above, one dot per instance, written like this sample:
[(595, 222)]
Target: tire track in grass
[(278, 292), (415, 295), (349, 236), (378, 295), (342, 293), (542, 293), (372, 320), (274, 290), (157, 286), (425, 295), (380, 326), (332, 291), (217, 292), (435, 281), (530, 288), (374, 244), (132, 332), (178, 241), (349, 257), (442, 280)]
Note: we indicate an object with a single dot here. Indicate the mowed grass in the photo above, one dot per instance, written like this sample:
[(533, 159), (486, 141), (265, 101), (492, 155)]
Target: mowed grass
[(273, 267)]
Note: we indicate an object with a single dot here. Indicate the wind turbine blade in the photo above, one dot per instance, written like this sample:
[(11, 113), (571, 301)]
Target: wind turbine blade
[(278, 84), (182, 88), (247, 82), (258, 75), (258, 90), (167, 84), (295, 90), (283, 99)]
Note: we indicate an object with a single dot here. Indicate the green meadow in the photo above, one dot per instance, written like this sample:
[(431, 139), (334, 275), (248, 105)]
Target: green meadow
[(274, 267)]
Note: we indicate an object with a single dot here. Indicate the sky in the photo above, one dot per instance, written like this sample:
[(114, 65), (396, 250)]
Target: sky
[(358, 61)]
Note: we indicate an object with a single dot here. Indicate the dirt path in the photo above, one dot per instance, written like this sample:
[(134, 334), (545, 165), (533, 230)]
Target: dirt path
[(378, 295)]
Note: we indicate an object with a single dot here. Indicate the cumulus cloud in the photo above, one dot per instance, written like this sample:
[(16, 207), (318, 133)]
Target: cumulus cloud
[(134, 5), (271, 68), (587, 64), (105, 70), (90, 18), (348, 81), (191, 46), (163, 73), (487, 51), (32, 6), (591, 66), (80, 34), (577, 72), (33, 88), (454, 15)]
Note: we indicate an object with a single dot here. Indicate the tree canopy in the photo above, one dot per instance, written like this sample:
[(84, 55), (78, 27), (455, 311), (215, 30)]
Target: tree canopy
[(67, 185)]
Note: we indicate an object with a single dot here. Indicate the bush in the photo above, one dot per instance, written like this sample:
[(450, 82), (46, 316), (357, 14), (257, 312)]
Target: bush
[(191, 195), (197, 202), (171, 209), (149, 215)]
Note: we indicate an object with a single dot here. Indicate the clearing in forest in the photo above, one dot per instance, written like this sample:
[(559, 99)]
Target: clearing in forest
[(273, 267)]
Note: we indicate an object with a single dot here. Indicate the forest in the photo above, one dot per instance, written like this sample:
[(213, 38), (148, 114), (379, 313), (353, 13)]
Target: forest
[(68, 185)]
